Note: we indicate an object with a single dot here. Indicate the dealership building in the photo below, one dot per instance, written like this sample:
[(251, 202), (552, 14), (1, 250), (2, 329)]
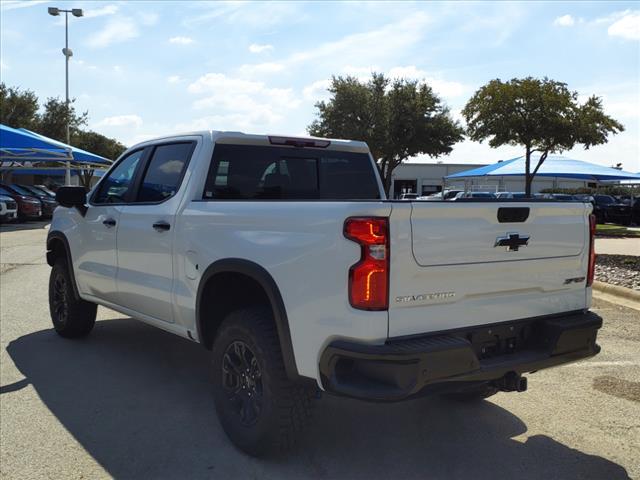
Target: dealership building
[(428, 178)]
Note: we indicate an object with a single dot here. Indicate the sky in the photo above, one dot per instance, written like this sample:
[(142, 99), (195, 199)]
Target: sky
[(145, 69)]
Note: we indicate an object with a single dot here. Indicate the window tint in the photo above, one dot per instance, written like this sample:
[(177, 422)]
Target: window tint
[(163, 175), (243, 172), (4, 191), (115, 187)]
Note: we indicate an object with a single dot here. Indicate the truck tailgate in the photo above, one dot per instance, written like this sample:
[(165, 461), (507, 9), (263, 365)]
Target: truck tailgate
[(458, 264)]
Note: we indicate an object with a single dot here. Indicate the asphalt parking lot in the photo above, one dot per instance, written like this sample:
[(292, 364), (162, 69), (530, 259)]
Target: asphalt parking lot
[(134, 402)]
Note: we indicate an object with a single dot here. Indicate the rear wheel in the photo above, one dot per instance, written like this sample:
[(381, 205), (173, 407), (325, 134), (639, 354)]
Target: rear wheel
[(260, 409), (72, 317)]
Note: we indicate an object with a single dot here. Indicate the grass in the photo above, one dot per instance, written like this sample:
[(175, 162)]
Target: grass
[(616, 230)]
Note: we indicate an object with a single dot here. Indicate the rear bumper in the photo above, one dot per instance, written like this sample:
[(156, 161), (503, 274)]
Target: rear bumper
[(453, 360)]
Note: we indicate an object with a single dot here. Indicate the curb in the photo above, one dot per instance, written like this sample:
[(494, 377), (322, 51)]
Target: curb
[(617, 291)]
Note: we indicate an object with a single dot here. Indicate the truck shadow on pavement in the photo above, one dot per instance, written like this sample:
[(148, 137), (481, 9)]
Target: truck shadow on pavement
[(139, 401)]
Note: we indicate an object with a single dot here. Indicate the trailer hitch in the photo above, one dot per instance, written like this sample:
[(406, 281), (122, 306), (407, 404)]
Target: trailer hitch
[(511, 382)]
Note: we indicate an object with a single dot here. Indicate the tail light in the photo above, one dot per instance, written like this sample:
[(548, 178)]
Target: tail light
[(369, 278), (591, 269), (299, 142)]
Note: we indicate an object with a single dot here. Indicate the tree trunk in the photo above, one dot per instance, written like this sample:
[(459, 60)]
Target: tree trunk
[(84, 178), (528, 178), (386, 180)]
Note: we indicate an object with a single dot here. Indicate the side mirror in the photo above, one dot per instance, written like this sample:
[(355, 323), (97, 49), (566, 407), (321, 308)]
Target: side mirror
[(70, 197)]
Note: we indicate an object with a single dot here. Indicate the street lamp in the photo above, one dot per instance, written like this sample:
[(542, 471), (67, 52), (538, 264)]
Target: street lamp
[(66, 51)]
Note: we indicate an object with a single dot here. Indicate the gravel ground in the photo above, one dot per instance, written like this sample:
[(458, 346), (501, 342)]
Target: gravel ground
[(621, 270)]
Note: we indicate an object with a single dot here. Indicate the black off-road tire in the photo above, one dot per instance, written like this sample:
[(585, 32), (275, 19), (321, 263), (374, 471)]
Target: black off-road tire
[(71, 316), (474, 394), (285, 407)]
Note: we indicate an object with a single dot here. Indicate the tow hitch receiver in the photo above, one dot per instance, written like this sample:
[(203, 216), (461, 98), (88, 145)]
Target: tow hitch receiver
[(511, 382)]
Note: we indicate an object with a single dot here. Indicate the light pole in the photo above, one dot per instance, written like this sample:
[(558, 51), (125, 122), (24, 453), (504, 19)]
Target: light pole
[(66, 51)]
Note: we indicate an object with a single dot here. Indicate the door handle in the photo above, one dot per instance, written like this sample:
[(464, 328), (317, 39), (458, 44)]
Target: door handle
[(109, 222), (161, 226)]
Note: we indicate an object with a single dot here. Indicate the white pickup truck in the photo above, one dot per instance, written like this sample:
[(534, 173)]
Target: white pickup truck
[(284, 258)]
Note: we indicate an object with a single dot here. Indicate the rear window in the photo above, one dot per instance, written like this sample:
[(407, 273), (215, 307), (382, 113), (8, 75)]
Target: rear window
[(245, 172)]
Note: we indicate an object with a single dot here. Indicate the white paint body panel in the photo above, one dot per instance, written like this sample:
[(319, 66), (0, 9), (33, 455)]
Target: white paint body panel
[(435, 247)]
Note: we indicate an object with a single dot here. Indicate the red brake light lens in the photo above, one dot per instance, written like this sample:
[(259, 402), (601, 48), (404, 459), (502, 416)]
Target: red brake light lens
[(369, 278), (591, 269), (299, 142)]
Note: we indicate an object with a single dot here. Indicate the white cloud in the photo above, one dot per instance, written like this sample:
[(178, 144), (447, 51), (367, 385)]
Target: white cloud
[(15, 4), (361, 73), (239, 103), (148, 18), (174, 79), (248, 70), (387, 41), (444, 88), (317, 90), (612, 17), (121, 121), (179, 40), (257, 48), (115, 31), (3, 66), (100, 12), (627, 27), (564, 21), (257, 15)]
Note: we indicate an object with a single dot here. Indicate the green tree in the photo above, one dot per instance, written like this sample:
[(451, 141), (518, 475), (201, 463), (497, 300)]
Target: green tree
[(97, 143), (18, 108), (100, 145), (398, 119), (52, 121), (543, 116)]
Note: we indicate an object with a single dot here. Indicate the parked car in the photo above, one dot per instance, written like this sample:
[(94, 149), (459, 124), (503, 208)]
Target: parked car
[(29, 207), (46, 190), (331, 287), (432, 198), (619, 212), (484, 195), (607, 209), (8, 209), (43, 190), (563, 197), (409, 196), (635, 211), (49, 203), (504, 195), (450, 194)]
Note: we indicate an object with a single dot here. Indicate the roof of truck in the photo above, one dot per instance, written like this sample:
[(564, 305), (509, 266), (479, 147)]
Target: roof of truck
[(264, 139)]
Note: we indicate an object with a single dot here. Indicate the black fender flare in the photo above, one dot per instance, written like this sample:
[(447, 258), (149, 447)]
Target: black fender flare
[(54, 237), (266, 281)]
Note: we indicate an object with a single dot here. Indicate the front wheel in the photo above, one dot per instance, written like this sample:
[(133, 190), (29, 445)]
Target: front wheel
[(72, 317), (260, 409)]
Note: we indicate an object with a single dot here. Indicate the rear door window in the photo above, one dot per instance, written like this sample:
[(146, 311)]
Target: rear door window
[(243, 172)]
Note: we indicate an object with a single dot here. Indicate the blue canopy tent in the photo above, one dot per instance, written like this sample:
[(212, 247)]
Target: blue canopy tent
[(79, 155), (19, 145), (53, 172), (553, 166), (23, 152)]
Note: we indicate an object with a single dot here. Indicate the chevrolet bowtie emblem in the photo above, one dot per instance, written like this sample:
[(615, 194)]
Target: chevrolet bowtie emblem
[(513, 241)]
